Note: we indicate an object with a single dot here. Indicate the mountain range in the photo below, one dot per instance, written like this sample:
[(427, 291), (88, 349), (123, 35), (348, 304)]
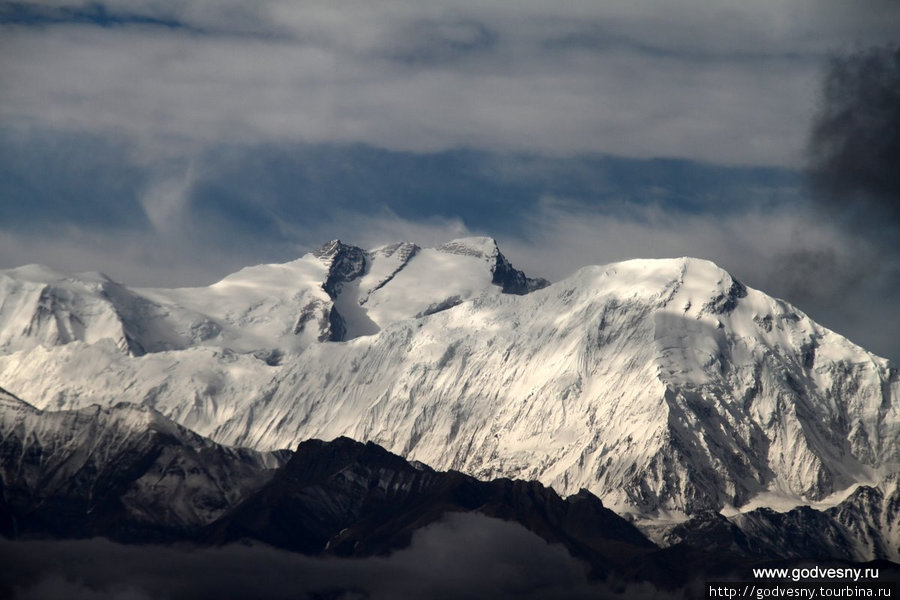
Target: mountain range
[(707, 413)]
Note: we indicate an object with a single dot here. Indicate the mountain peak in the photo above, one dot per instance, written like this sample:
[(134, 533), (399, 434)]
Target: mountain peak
[(334, 248), (698, 283), (480, 246), (36, 273), (503, 274)]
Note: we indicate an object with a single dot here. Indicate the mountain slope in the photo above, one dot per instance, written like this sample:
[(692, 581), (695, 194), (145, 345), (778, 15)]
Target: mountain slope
[(347, 499), (871, 516), (125, 472), (864, 526), (656, 384), (204, 352), (659, 385), (39, 306)]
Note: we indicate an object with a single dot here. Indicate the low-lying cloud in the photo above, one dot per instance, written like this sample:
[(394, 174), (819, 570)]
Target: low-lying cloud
[(462, 556)]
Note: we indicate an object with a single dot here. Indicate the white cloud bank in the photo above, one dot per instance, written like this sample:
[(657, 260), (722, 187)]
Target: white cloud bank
[(728, 81)]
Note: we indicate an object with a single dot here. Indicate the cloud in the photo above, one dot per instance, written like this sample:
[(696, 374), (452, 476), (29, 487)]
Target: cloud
[(855, 141), (237, 205), (48, 179), (854, 151), (166, 200), (132, 258), (464, 555), (731, 83)]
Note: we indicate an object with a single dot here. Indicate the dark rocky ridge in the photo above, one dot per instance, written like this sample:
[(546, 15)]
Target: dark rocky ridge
[(126, 473), (353, 499), (513, 281)]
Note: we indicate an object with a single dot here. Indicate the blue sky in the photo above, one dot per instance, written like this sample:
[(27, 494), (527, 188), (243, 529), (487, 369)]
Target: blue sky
[(169, 143)]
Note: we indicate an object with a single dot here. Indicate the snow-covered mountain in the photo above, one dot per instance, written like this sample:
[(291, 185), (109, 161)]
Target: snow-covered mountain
[(662, 386), (333, 294)]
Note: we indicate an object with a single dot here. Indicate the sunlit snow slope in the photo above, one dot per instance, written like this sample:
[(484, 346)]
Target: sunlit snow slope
[(660, 385)]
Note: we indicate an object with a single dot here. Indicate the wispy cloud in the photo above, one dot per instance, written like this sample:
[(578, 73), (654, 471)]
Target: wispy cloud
[(94, 14), (235, 205)]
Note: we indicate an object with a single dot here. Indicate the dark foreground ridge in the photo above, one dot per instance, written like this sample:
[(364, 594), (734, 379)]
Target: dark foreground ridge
[(130, 475), (352, 499)]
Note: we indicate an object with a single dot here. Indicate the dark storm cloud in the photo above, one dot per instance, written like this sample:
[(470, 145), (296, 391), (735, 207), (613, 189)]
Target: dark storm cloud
[(854, 172), (855, 140), (464, 556)]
